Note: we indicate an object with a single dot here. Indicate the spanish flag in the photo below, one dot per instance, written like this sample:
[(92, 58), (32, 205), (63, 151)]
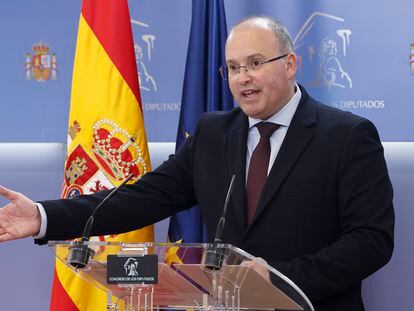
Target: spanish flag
[(107, 140)]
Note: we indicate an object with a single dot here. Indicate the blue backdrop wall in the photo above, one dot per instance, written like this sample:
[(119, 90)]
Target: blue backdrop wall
[(355, 55)]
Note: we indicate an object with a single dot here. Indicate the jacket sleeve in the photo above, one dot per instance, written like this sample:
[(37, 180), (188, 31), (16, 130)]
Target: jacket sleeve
[(156, 196)]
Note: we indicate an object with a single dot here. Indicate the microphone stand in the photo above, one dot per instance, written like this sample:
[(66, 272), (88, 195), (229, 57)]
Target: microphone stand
[(214, 256), (79, 252)]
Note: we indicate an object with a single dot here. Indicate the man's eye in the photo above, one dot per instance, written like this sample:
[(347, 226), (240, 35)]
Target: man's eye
[(255, 63), (232, 67)]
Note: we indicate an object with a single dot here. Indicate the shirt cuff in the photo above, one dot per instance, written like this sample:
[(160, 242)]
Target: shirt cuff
[(43, 222)]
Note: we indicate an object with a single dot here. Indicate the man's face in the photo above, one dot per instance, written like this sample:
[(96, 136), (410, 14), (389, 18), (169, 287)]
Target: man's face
[(259, 93)]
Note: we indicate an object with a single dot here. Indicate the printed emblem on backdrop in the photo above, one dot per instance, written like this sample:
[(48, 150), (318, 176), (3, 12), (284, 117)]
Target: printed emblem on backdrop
[(143, 50), (412, 58), (144, 45), (117, 151), (41, 65), (322, 45)]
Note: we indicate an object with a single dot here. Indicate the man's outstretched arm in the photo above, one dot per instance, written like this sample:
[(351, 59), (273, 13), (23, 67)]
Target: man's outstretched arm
[(18, 219)]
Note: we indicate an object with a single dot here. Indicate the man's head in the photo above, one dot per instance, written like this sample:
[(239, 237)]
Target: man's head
[(263, 90)]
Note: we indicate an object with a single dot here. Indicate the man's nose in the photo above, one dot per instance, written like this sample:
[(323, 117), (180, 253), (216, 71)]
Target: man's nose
[(244, 75)]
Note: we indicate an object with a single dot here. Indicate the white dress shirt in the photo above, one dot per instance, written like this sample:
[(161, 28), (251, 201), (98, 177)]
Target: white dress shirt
[(283, 117)]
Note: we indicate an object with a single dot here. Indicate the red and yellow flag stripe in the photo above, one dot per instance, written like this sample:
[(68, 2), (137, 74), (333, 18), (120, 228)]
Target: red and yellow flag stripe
[(105, 99)]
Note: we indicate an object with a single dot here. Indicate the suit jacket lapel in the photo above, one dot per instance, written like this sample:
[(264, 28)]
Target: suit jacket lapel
[(236, 149), (297, 138)]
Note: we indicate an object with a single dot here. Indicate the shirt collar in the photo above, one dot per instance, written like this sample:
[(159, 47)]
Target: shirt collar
[(284, 116)]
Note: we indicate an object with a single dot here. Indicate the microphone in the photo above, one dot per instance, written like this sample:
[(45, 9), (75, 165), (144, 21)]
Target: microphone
[(213, 256), (79, 253)]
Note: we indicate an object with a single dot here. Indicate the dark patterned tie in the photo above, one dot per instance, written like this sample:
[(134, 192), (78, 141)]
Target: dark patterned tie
[(259, 163)]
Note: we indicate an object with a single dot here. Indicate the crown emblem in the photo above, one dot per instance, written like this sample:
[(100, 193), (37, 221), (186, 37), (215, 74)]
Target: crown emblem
[(41, 48), (117, 151), (42, 65)]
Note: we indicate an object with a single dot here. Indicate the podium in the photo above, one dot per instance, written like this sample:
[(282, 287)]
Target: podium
[(164, 276)]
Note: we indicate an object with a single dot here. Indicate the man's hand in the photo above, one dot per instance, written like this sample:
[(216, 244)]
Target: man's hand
[(18, 219), (258, 267)]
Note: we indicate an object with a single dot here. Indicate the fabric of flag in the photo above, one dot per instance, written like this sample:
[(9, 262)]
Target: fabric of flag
[(107, 140), (203, 90)]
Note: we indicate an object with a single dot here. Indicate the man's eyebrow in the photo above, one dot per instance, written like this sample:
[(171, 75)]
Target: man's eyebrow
[(252, 56), (256, 55)]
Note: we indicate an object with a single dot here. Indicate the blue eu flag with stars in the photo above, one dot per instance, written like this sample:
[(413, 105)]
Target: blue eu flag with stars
[(203, 90)]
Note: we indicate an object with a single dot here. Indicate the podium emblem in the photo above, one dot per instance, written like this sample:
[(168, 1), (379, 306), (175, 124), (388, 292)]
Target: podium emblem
[(131, 267)]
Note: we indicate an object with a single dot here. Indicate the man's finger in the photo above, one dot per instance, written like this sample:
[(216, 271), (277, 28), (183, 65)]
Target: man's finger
[(5, 237), (8, 194)]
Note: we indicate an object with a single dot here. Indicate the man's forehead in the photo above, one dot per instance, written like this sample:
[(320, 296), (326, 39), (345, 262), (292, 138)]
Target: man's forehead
[(255, 23), (250, 26), (248, 42)]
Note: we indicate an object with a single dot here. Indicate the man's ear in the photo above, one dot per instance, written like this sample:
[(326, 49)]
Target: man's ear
[(290, 64)]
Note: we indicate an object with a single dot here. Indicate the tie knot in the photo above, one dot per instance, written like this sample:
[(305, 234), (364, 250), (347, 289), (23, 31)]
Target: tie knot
[(266, 129)]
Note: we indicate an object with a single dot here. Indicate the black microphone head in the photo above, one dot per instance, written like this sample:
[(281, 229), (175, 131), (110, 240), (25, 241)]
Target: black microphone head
[(213, 258), (79, 255)]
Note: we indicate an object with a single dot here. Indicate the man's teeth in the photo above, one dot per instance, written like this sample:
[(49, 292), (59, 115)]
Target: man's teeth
[(249, 92)]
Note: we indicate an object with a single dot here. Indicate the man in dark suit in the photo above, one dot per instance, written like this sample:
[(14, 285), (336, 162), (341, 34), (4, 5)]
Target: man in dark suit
[(323, 215)]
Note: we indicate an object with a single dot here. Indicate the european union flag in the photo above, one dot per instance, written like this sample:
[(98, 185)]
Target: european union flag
[(203, 90)]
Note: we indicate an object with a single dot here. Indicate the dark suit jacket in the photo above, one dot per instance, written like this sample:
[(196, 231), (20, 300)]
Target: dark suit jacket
[(325, 218)]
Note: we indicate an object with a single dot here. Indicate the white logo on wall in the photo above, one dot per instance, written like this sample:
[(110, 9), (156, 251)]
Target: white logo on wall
[(143, 51), (326, 68), (323, 45), (131, 267)]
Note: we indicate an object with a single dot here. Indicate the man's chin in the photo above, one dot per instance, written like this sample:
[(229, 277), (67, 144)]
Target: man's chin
[(254, 115), (257, 115), (250, 110)]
